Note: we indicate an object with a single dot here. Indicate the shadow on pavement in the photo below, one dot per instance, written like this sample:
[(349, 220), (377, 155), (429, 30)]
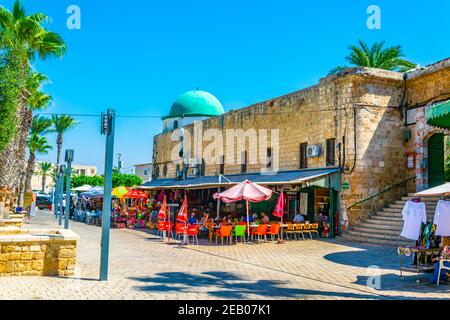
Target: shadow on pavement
[(226, 285)]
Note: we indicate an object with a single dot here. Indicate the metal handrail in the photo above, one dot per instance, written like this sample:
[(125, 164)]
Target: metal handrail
[(380, 193)]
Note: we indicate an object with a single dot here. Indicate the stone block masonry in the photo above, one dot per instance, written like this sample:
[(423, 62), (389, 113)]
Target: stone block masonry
[(37, 252)]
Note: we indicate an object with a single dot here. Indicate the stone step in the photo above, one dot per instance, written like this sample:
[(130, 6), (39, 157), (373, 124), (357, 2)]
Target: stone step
[(386, 218), (393, 224), (432, 198), (427, 202), (399, 208), (344, 237), (377, 231), (375, 235), (380, 226), (399, 214)]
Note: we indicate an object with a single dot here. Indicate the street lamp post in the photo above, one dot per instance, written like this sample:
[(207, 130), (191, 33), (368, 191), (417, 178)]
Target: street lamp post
[(56, 194), (107, 128), (69, 159)]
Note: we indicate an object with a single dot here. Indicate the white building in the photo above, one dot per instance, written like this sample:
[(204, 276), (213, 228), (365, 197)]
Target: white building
[(144, 171)]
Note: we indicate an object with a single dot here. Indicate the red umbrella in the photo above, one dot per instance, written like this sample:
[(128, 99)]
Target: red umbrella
[(162, 214), (136, 194), (248, 191), (279, 210), (183, 214)]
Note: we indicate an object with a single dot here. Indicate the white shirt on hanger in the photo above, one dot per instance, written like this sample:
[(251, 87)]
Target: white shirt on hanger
[(442, 218), (414, 214)]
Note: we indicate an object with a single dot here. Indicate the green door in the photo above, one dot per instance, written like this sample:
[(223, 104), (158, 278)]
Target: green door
[(436, 160)]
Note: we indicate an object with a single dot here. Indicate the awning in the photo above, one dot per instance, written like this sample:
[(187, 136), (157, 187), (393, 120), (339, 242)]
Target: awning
[(438, 115), (279, 178)]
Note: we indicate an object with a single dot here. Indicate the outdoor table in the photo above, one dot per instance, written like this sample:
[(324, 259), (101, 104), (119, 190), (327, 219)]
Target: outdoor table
[(419, 267)]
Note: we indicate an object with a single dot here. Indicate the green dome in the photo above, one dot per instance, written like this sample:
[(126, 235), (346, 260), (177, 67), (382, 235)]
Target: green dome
[(196, 103)]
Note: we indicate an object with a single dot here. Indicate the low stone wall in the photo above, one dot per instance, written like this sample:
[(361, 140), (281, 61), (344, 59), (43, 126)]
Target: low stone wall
[(37, 252), (11, 222)]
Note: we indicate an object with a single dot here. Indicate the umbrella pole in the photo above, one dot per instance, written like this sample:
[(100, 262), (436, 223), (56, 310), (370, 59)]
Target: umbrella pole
[(248, 223)]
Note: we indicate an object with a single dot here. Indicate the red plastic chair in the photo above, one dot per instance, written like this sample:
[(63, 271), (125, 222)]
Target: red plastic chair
[(260, 232), (274, 231), (192, 231), (179, 230)]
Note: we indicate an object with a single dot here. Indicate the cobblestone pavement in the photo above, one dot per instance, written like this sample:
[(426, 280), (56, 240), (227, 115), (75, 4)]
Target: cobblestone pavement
[(143, 267)]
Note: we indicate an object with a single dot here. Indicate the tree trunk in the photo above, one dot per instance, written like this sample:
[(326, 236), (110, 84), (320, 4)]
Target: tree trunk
[(59, 142), (13, 158), (44, 182), (30, 171)]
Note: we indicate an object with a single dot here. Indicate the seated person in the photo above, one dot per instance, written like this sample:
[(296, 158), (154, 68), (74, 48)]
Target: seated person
[(445, 255), (249, 220), (192, 219), (299, 218), (264, 218)]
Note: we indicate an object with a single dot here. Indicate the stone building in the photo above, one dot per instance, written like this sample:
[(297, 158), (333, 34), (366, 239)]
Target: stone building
[(368, 123)]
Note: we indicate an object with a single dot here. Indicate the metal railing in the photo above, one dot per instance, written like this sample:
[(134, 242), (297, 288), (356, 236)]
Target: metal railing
[(382, 198)]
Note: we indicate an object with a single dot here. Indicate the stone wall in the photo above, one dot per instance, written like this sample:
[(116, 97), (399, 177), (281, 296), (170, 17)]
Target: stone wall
[(29, 256), (364, 101)]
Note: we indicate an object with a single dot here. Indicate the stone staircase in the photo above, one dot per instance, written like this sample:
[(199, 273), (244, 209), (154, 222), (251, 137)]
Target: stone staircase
[(384, 227)]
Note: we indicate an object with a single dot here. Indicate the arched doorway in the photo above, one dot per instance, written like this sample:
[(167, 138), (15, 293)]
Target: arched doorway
[(436, 156)]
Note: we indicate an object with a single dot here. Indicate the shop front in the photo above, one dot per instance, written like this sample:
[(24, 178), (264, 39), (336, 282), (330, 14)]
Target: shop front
[(313, 193)]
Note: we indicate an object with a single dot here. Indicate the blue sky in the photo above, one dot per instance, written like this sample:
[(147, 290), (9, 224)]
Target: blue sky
[(139, 56)]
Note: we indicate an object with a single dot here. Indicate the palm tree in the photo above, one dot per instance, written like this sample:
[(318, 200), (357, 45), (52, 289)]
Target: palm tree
[(377, 56), (36, 145), (62, 124), (45, 171), (23, 37)]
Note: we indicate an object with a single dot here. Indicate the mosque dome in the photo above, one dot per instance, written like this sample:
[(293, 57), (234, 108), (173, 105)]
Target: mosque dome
[(195, 103)]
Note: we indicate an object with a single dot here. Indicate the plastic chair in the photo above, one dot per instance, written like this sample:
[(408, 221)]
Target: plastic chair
[(192, 231), (314, 229), (160, 227), (291, 230), (442, 266), (261, 231), (307, 229), (239, 231), (179, 230), (300, 229), (274, 231), (224, 232)]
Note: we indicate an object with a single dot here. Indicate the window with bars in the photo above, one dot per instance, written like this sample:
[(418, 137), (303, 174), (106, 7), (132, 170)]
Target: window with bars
[(304, 155), (244, 162), (222, 165)]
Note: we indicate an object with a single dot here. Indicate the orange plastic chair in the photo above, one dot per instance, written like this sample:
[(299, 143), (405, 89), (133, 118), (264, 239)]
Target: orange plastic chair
[(160, 228), (261, 231), (274, 231), (224, 232)]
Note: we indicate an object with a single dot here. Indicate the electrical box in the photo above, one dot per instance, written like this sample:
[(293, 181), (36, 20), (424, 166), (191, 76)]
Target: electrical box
[(314, 151)]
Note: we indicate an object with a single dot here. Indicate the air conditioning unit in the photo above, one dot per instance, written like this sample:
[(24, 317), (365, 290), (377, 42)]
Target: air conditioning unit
[(314, 151)]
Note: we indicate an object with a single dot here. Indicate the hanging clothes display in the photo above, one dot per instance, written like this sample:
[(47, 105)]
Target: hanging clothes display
[(442, 218), (414, 215)]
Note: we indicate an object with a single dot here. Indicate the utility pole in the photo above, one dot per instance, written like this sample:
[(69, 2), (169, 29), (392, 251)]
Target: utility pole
[(56, 194), (107, 128), (69, 159), (62, 169)]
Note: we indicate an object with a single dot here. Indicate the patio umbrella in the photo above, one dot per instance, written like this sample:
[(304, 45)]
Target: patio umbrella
[(84, 188), (135, 194), (248, 191), (279, 210), (162, 214), (183, 213), (442, 190), (119, 192)]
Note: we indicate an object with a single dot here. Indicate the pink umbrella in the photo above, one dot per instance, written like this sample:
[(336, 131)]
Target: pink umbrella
[(279, 210), (248, 191)]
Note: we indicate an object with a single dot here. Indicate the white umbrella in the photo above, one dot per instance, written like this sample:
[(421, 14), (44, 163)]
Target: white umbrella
[(442, 190), (83, 188)]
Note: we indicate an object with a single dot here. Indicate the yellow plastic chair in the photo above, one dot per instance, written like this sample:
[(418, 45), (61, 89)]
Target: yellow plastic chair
[(291, 229)]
